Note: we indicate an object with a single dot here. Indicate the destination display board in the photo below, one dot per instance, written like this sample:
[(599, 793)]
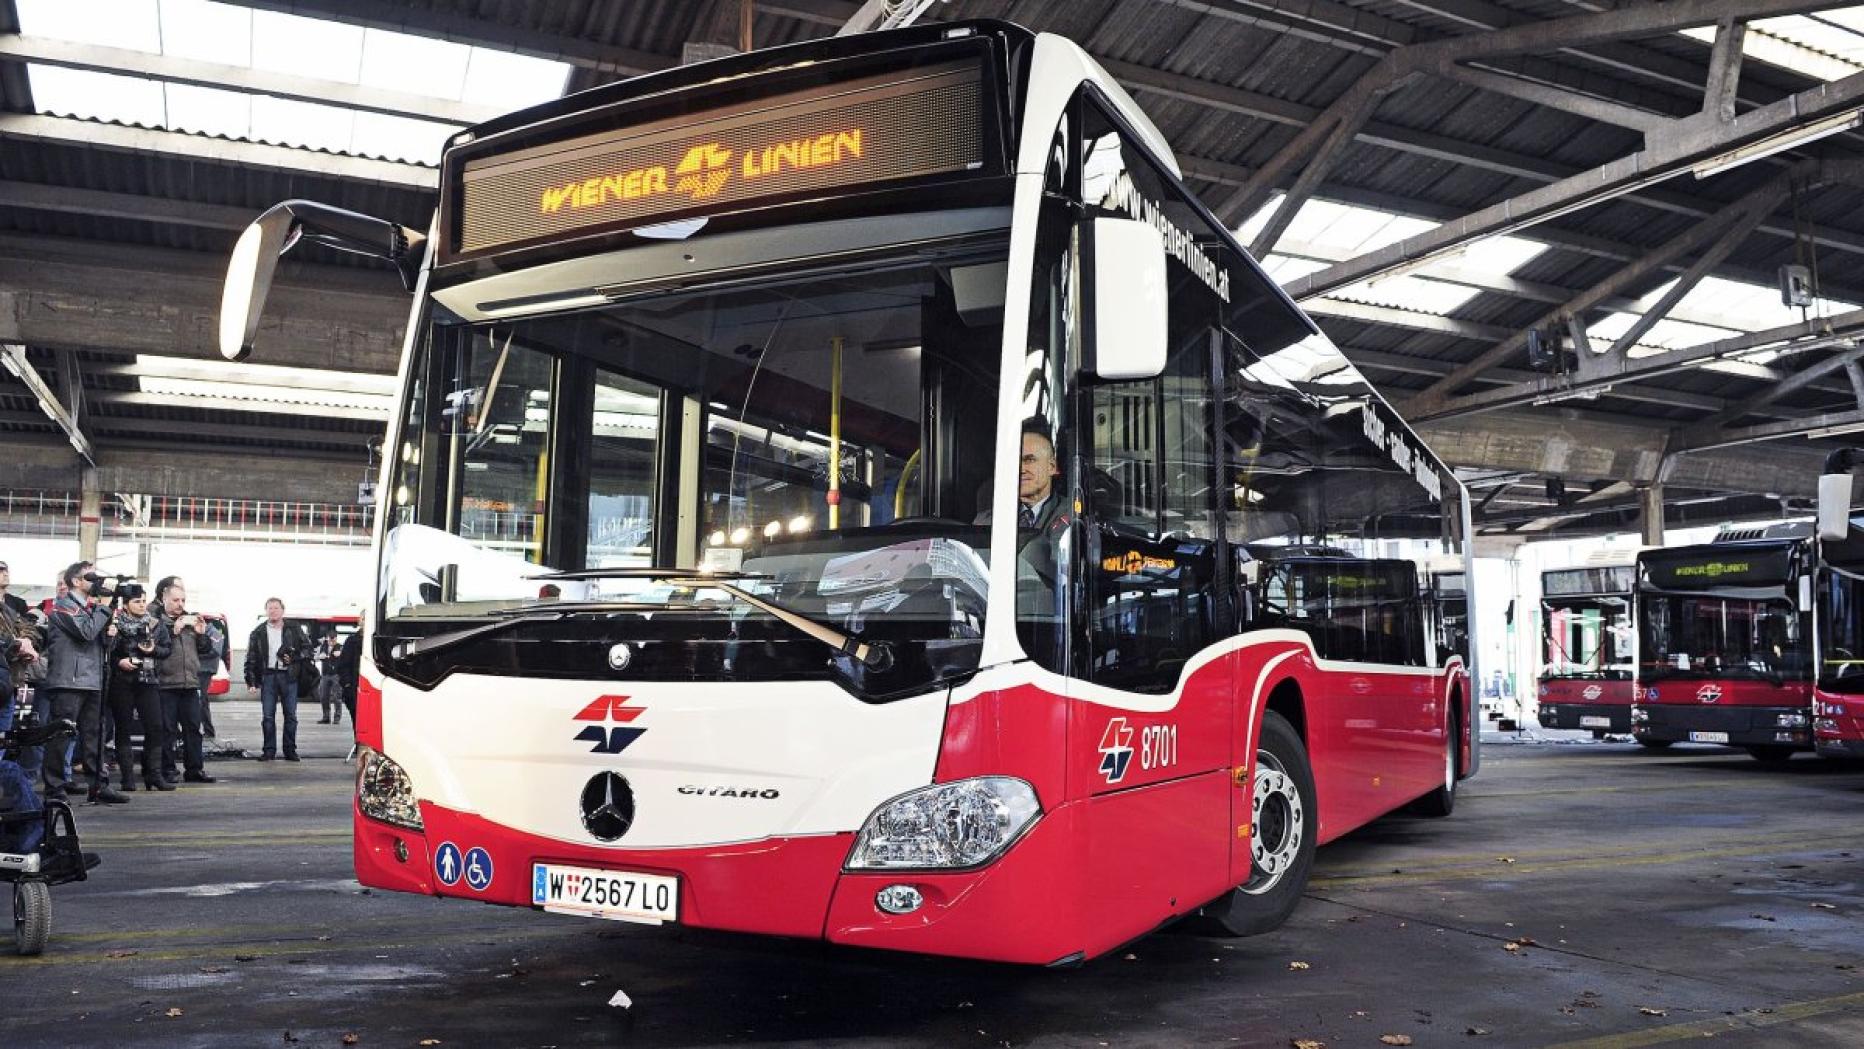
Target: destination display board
[(1578, 582), (844, 137), (1710, 567)]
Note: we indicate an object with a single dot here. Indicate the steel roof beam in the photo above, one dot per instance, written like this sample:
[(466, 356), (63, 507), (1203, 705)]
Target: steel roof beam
[(38, 196), (64, 293), (121, 138), (1691, 441), (1799, 380), (13, 356), (1619, 283), (126, 62), (1671, 152), (1804, 337)]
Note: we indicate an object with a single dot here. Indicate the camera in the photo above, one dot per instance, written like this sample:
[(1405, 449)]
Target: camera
[(284, 657), (111, 586)]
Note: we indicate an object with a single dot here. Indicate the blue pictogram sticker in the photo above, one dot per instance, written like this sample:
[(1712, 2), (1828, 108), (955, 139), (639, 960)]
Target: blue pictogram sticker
[(538, 886), (447, 863), (478, 870)]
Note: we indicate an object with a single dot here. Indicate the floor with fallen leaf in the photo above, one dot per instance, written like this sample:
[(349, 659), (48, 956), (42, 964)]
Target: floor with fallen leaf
[(1581, 896)]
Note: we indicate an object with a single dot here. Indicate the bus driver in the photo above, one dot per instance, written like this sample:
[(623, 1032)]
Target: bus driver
[(1037, 502)]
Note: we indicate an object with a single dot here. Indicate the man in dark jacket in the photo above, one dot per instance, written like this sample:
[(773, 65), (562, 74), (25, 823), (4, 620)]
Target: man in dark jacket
[(196, 646), (74, 682), (273, 652)]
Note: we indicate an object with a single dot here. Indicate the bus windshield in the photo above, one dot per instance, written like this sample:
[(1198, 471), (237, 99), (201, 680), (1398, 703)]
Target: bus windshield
[(826, 439), (1588, 637), (1714, 636)]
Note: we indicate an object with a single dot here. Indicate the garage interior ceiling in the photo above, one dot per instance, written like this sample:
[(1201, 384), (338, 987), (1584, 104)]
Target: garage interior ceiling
[(1433, 179)]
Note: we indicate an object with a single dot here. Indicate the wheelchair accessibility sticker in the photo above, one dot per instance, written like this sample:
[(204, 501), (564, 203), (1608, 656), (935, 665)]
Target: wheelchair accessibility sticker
[(478, 870), (447, 863)]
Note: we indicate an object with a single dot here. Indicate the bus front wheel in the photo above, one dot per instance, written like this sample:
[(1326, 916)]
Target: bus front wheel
[(1282, 826), (1654, 744)]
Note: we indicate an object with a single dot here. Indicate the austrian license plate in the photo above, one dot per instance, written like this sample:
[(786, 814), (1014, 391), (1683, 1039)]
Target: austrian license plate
[(619, 895), (1708, 737), (1595, 722)]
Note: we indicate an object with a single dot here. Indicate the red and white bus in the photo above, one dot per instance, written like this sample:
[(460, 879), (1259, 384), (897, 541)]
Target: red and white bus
[(1589, 641), (1726, 641), (854, 491)]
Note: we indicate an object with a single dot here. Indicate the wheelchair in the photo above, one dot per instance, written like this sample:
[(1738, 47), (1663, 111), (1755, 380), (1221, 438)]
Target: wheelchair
[(38, 840)]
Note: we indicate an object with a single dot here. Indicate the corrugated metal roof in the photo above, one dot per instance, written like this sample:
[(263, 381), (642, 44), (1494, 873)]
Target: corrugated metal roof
[(1217, 51)]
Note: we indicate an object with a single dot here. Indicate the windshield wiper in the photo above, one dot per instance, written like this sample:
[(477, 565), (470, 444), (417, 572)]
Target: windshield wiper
[(874, 656)]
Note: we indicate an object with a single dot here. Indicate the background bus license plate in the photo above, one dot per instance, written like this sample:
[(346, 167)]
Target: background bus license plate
[(621, 895), (1595, 722), (1708, 737)]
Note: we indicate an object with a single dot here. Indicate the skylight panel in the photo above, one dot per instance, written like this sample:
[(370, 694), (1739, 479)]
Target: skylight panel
[(304, 124), (413, 64), (1284, 268), (1827, 46), (96, 96), (506, 81), (310, 47), (399, 138), (209, 111), (262, 396), (207, 32), (1495, 255), (131, 24), (1412, 293)]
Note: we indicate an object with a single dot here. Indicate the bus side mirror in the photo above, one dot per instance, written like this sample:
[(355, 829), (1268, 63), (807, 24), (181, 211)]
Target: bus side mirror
[(255, 259), (1834, 506), (1835, 493), (1123, 292), (249, 279)]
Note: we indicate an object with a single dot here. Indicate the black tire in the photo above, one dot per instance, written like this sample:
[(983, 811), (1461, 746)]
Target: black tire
[(1283, 809), (1771, 755), (1442, 801), (1598, 733), (1654, 744), (32, 916)]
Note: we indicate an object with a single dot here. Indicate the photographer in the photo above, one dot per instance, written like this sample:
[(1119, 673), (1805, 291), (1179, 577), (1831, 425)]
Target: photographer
[(142, 642), (196, 644), (273, 652), (81, 630)]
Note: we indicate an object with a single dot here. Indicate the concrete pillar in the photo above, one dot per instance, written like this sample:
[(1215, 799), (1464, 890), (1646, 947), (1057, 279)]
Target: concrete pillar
[(144, 552), (90, 515), (1650, 514)]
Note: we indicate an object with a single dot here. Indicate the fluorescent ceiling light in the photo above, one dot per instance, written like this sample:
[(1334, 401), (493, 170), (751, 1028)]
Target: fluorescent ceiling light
[(1779, 143), (1836, 431)]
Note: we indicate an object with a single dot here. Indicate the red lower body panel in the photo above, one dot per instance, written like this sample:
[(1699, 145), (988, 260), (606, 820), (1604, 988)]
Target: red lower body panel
[(1059, 893)]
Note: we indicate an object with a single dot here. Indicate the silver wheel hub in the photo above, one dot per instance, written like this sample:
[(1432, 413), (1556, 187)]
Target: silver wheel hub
[(1277, 826)]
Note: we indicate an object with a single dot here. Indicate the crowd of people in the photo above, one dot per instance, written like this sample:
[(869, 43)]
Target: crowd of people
[(114, 659)]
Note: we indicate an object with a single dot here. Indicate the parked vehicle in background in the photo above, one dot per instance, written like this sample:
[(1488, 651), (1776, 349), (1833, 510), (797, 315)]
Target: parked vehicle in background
[(1588, 638), (1725, 641)]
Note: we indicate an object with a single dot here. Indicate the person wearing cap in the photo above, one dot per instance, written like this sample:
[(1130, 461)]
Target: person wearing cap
[(82, 630)]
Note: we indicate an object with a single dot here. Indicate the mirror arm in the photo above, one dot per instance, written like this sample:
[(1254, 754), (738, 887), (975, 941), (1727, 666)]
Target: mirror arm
[(357, 233)]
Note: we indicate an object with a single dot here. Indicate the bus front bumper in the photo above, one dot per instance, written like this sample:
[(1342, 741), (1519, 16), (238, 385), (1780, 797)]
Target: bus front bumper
[(1839, 730), (794, 887), (1735, 726)]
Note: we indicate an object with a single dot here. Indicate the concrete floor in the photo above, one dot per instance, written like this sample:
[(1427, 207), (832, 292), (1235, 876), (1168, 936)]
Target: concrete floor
[(1661, 899)]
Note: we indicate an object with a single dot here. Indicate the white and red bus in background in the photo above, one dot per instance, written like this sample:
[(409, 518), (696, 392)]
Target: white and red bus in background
[(1726, 641), (1590, 641), (705, 595)]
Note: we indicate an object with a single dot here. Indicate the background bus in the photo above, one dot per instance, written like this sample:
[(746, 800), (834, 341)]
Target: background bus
[(855, 491), (1589, 638), (1725, 636)]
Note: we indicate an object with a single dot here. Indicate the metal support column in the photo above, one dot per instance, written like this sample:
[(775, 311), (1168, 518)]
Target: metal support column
[(1650, 514)]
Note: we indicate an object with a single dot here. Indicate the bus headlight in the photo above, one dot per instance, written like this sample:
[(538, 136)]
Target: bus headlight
[(1791, 721), (948, 825), (385, 793)]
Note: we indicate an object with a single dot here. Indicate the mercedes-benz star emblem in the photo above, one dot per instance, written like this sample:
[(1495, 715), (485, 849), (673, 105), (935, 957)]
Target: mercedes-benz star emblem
[(607, 806), (619, 657)]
